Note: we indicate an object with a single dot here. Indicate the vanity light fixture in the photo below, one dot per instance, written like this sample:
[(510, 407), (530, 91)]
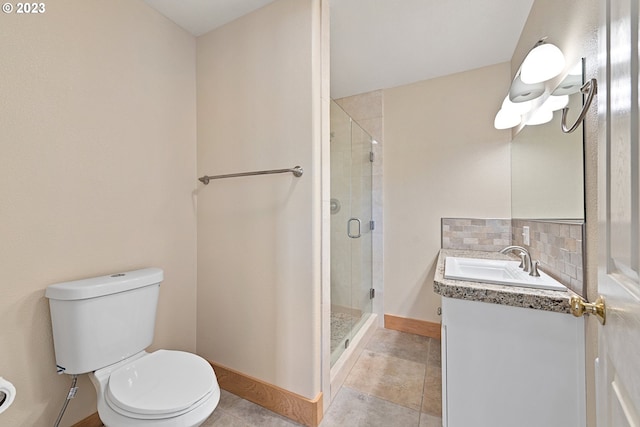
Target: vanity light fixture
[(544, 62)]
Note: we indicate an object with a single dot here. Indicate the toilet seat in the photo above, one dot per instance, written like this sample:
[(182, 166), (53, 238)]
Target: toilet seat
[(159, 385)]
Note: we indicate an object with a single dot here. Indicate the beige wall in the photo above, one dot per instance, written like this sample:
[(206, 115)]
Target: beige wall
[(259, 107), (98, 164), (443, 158), (576, 34)]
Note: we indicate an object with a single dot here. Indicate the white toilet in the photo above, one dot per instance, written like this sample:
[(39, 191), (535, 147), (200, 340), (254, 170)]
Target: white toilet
[(101, 326)]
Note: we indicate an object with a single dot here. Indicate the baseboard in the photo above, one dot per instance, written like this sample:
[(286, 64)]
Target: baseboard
[(281, 401), (92, 420), (412, 326), (276, 399)]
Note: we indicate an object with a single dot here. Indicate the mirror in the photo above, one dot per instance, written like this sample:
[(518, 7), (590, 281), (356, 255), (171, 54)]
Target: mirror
[(547, 168)]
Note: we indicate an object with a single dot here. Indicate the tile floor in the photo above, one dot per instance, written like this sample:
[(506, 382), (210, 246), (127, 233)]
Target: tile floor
[(395, 382)]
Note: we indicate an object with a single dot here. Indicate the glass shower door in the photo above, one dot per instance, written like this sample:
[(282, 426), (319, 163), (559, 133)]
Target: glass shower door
[(351, 226)]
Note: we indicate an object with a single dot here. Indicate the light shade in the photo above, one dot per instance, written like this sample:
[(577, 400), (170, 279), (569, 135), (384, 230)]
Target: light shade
[(539, 117), (544, 62), (520, 92), (570, 85), (555, 102), (572, 82), (517, 107), (506, 119)]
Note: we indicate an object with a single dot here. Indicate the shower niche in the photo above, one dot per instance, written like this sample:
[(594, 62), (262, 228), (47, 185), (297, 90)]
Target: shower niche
[(351, 229)]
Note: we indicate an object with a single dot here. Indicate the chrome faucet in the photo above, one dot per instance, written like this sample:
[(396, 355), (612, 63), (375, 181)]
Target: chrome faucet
[(526, 263)]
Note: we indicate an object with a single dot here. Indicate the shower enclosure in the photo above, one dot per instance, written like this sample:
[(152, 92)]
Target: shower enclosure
[(351, 227)]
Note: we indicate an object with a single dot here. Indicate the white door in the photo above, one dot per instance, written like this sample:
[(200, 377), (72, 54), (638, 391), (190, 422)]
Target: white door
[(618, 364)]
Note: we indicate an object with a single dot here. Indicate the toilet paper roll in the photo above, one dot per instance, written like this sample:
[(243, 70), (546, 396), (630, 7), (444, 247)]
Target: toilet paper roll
[(7, 394)]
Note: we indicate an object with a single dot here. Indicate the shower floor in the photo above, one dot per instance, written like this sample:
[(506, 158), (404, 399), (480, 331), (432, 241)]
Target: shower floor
[(341, 324)]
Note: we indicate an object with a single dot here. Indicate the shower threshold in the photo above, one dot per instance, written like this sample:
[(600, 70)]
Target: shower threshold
[(341, 367)]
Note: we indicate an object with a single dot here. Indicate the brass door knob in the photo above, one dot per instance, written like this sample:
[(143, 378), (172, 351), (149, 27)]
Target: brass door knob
[(579, 307)]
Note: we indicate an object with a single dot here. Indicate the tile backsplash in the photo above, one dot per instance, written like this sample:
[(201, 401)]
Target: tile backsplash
[(558, 245), (476, 233)]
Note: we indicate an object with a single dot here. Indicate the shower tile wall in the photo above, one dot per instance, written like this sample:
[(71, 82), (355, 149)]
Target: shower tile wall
[(556, 244), (368, 111)]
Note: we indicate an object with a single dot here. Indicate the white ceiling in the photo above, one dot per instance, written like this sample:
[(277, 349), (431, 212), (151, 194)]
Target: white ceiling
[(201, 16), (377, 44)]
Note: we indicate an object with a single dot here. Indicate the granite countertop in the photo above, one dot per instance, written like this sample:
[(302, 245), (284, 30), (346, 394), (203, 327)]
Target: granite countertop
[(539, 299)]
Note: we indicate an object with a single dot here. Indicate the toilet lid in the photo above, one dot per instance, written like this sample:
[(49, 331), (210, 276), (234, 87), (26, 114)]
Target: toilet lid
[(161, 382)]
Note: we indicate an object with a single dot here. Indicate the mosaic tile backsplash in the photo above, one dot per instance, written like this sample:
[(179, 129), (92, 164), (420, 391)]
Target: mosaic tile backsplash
[(556, 244)]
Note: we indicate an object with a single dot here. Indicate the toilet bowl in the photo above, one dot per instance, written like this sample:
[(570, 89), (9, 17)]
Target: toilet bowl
[(164, 388), (102, 326)]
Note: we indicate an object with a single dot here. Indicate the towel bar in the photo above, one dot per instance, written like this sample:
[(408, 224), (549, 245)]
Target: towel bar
[(297, 171)]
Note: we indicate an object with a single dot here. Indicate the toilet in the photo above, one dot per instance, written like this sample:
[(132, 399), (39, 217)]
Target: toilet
[(102, 326)]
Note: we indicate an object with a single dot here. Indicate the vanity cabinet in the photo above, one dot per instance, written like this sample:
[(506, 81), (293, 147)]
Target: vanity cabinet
[(506, 366)]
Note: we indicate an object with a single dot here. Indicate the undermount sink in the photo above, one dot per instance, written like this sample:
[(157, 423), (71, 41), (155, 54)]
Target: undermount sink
[(500, 272)]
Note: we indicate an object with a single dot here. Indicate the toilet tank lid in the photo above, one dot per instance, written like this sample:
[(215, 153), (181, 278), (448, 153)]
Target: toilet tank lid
[(104, 285)]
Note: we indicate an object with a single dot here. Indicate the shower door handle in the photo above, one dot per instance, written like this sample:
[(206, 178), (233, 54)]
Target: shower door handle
[(351, 221)]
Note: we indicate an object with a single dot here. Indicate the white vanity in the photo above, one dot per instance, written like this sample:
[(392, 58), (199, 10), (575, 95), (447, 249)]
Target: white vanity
[(511, 356)]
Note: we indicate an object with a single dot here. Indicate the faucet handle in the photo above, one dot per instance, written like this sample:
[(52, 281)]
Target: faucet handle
[(523, 261), (534, 268)]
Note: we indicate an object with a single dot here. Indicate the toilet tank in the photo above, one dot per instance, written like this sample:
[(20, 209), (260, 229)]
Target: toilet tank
[(102, 320)]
